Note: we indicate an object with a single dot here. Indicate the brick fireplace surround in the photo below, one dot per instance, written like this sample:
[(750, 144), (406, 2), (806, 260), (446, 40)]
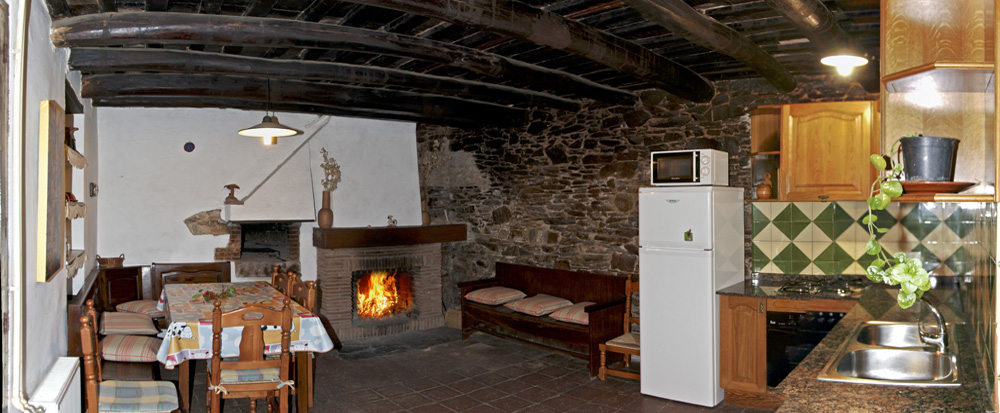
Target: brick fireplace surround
[(335, 268)]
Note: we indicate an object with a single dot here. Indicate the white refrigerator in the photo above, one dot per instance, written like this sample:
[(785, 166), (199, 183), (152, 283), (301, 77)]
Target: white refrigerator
[(690, 245)]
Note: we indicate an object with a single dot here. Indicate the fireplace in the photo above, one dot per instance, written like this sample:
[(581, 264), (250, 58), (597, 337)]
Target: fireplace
[(382, 295), (256, 247)]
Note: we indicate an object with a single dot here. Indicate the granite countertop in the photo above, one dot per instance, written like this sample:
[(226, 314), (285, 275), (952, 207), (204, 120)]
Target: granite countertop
[(805, 393), (768, 288)]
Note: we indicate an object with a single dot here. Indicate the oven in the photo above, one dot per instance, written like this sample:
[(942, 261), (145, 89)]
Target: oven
[(791, 336)]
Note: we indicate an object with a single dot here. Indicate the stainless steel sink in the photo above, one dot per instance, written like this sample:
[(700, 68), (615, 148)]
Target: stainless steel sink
[(879, 352), (888, 334)]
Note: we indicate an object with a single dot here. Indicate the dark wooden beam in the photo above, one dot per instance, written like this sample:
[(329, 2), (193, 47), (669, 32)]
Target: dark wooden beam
[(521, 21), (128, 29), (111, 60), (288, 91), (210, 7), (257, 8), (815, 21), (58, 9), (313, 13), (231, 103), (107, 6), (156, 5), (684, 21), (330, 238)]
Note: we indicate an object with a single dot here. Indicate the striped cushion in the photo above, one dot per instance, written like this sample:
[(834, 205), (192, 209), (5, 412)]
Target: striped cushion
[(127, 323), (573, 313), (147, 307), (538, 305), (270, 374), (127, 348), (137, 396), (495, 295)]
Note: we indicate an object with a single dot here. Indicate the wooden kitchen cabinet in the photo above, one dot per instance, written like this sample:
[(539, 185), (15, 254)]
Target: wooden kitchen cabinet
[(743, 344), (825, 149)]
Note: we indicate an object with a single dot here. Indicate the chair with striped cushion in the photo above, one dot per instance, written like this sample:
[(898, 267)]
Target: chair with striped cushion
[(304, 293), (624, 346), (252, 375), (116, 395), (121, 288)]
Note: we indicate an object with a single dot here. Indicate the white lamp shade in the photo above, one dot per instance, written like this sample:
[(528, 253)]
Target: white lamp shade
[(269, 127), (844, 63)]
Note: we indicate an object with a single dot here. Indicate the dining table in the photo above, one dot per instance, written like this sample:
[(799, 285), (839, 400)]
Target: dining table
[(188, 308)]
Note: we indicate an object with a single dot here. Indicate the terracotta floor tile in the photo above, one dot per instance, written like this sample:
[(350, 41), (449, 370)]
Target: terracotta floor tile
[(412, 400), (440, 393), (487, 394), (460, 403), (536, 394), (510, 403), (466, 386)]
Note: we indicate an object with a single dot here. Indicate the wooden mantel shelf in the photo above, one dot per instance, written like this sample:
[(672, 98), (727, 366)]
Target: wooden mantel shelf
[(331, 238)]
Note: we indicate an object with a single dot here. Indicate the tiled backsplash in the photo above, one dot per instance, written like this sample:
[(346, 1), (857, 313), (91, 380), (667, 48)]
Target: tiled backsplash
[(829, 238)]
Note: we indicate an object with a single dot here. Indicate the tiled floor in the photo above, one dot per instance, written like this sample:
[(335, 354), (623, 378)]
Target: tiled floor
[(481, 374)]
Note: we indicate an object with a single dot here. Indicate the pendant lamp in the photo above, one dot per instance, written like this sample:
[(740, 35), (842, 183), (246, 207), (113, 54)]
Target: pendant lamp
[(269, 129), (844, 60)]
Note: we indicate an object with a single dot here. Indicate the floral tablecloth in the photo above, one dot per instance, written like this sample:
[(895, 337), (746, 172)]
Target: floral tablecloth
[(190, 333)]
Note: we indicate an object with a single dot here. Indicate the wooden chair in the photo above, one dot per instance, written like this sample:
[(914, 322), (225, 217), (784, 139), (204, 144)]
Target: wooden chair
[(625, 345), (118, 395), (304, 293), (251, 375), (124, 357), (188, 273), (283, 281)]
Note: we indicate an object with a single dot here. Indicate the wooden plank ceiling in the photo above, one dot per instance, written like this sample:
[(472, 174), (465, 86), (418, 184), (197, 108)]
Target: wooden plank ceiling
[(468, 63)]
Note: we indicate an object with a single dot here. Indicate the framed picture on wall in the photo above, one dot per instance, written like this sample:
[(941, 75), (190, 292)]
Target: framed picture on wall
[(51, 192)]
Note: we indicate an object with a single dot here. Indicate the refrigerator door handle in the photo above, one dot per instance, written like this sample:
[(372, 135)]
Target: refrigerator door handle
[(653, 249)]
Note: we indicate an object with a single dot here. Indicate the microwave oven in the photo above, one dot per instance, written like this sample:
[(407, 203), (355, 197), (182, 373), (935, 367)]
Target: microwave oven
[(689, 167)]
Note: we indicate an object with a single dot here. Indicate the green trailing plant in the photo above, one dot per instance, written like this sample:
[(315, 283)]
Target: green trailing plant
[(898, 269)]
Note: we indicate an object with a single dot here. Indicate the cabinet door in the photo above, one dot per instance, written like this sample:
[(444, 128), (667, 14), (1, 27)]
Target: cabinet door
[(825, 149), (743, 344)]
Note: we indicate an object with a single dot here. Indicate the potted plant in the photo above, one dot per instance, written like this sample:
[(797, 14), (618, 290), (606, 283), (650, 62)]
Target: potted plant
[(899, 269)]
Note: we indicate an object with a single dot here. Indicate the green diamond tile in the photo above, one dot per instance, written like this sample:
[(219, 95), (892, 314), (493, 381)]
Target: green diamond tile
[(961, 263), (833, 260), (760, 259), (791, 221), (760, 220), (885, 220), (865, 260), (920, 221), (930, 261), (833, 220), (962, 222), (791, 260)]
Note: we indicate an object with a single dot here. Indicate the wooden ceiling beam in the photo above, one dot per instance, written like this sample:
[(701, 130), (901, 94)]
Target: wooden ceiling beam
[(298, 92), (685, 21), (232, 103), (523, 22), (111, 60), (129, 29), (156, 5)]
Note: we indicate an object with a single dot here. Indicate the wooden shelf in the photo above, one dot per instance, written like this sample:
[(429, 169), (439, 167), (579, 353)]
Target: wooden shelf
[(331, 238), (945, 198), (75, 158), (943, 77), (76, 210), (765, 153)]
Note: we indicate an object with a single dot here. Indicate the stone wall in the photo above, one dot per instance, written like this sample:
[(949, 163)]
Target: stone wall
[(562, 191)]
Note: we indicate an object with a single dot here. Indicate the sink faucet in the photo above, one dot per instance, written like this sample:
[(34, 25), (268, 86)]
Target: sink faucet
[(931, 338)]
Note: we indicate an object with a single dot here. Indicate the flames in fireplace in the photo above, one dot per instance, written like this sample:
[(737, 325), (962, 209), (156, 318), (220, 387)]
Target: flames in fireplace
[(381, 294)]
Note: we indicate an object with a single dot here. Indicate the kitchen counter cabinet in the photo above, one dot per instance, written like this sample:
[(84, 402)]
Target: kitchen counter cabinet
[(743, 341)]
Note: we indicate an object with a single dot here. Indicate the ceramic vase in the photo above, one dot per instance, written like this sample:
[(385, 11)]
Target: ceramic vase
[(764, 189), (325, 217)]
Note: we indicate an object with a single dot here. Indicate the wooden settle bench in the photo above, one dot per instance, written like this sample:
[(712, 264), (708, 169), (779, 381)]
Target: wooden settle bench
[(576, 340)]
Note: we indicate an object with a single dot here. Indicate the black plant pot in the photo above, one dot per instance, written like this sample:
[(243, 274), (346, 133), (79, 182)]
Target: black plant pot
[(929, 158)]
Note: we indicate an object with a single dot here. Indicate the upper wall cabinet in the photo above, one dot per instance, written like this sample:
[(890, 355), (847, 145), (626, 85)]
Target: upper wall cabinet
[(939, 66), (815, 151), (825, 149)]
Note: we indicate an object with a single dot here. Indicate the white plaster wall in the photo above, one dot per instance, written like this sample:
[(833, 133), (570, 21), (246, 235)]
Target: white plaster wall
[(45, 307), (149, 185)]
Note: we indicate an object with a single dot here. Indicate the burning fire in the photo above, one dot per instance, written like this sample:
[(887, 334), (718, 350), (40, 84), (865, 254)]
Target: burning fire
[(380, 297)]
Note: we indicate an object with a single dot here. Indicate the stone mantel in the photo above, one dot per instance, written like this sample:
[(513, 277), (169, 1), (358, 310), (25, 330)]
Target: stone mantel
[(332, 238)]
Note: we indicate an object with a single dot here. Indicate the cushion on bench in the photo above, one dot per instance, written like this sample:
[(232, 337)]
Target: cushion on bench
[(573, 314), (495, 295), (538, 305), (124, 348), (127, 323), (147, 307)]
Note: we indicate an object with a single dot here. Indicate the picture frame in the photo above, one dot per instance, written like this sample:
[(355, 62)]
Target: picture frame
[(51, 191)]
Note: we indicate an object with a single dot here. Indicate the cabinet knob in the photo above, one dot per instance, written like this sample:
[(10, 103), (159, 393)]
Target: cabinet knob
[(824, 197), (760, 309)]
